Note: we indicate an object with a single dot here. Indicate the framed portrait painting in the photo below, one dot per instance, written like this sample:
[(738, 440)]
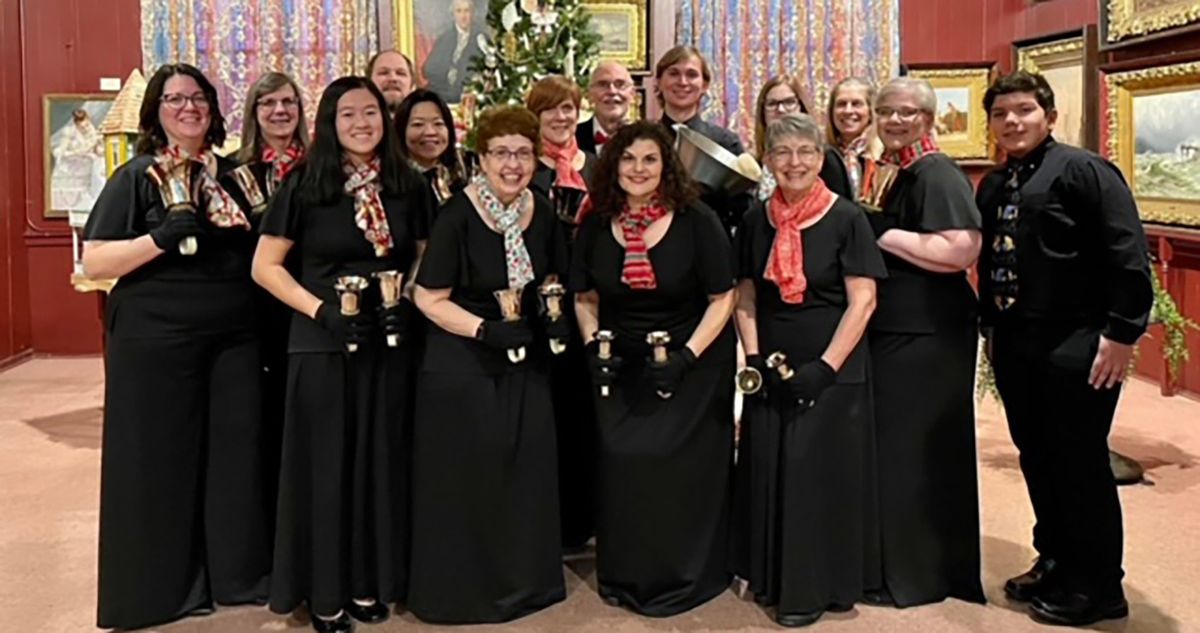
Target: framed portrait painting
[(1069, 63), (624, 28), (1151, 134), (441, 37), (961, 123), (1125, 22), (74, 170)]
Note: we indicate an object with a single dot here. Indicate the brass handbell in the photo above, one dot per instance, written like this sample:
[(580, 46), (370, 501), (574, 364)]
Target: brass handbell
[(391, 282), (877, 181), (174, 181), (349, 289), (778, 362), (659, 341), (246, 181), (749, 381), (552, 294), (510, 310)]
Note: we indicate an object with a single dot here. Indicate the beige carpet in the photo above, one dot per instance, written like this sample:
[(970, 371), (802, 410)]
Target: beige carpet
[(49, 469)]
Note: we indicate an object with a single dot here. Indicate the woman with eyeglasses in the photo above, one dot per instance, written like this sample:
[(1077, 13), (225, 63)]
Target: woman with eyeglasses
[(923, 341), (849, 131), (780, 96), (183, 520), (352, 211), (426, 129), (486, 545), (653, 268), (807, 264)]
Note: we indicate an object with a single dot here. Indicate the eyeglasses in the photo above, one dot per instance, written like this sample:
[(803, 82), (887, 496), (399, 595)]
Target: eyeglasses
[(504, 155), (176, 101), (905, 114), (288, 103), (617, 84), (806, 154), (787, 104)]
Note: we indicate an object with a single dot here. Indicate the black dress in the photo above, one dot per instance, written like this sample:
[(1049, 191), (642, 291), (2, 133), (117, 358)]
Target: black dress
[(485, 499), (343, 514), (183, 521), (805, 515), (923, 340), (571, 384), (664, 465)]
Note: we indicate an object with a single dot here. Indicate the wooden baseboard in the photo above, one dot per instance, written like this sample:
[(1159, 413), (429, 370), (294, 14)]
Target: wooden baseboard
[(16, 359)]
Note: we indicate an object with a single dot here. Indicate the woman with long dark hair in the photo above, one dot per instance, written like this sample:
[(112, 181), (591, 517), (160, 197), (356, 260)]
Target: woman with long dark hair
[(355, 211), (653, 268), (183, 521), (425, 126)]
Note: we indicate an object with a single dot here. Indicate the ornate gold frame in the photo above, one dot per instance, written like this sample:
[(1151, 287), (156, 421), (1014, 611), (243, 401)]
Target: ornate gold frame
[(1120, 90), (977, 145), (404, 27), (1074, 48), (1123, 21), (637, 57)]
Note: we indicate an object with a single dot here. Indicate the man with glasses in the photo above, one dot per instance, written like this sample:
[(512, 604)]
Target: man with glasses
[(1065, 294), (610, 93)]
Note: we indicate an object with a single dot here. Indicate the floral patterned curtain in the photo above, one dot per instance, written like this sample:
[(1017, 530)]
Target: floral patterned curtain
[(235, 41), (823, 41)]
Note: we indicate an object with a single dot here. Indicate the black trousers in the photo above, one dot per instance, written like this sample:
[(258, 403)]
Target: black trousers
[(1060, 425)]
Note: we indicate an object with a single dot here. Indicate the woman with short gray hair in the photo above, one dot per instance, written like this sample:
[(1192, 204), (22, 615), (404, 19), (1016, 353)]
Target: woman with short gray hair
[(807, 265)]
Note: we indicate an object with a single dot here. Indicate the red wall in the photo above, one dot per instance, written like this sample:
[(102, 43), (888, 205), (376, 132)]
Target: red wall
[(49, 46)]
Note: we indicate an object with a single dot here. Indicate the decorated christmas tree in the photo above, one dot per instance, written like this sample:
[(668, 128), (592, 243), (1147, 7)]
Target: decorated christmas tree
[(531, 39)]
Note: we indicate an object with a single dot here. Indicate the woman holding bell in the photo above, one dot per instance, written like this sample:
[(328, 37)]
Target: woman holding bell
[(183, 519), (804, 507), (653, 268), (486, 544), (356, 213)]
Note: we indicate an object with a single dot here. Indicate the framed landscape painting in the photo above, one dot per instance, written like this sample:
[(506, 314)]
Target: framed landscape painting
[(960, 122), (1069, 62), (1126, 22)]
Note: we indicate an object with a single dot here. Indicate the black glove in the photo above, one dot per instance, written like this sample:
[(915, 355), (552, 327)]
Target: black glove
[(667, 377), (394, 320), (559, 328), (176, 226), (604, 372), (808, 382), (770, 377), (344, 328), (883, 222), (506, 334)]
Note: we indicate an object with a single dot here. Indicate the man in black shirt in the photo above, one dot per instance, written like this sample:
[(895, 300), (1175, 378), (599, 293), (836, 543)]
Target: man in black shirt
[(1065, 293)]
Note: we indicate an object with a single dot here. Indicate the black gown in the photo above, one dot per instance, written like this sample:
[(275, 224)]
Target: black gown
[(571, 385), (343, 514), (805, 511), (664, 465), (486, 542), (183, 520), (923, 340)]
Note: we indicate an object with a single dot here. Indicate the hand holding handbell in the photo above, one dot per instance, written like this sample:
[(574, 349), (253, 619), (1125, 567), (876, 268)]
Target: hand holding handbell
[(175, 185)]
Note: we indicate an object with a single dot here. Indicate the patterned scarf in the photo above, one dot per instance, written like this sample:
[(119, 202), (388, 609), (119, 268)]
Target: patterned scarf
[(281, 163), (785, 264), (638, 273), (221, 210), (362, 182), (906, 156), (850, 156), (508, 219), (564, 159)]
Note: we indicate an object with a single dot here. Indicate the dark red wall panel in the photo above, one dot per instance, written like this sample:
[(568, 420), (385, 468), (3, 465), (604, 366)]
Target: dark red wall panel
[(15, 331)]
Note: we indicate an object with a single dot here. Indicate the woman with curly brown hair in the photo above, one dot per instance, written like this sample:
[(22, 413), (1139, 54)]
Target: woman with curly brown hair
[(650, 263), (486, 542)]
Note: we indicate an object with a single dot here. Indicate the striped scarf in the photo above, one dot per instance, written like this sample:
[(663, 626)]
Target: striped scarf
[(637, 272), (220, 209), (281, 164), (518, 265), (906, 156), (362, 183)]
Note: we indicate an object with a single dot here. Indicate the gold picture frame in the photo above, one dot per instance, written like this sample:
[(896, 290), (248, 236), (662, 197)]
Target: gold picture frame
[(961, 123), (624, 28), (1158, 102), (73, 167), (1069, 62), (1125, 22)]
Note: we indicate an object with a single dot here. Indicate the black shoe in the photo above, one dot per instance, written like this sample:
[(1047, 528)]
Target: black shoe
[(797, 620), (878, 598), (340, 624), (1026, 587), (1076, 609), (839, 608), (373, 613)]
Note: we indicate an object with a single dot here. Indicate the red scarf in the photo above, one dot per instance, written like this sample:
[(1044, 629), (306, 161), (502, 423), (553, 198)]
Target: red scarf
[(785, 264), (564, 159), (362, 182), (282, 163), (220, 209), (638, 273), (906, 156)]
